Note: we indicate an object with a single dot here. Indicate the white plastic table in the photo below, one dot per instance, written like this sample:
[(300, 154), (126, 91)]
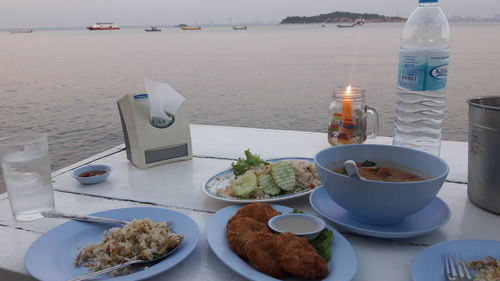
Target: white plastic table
[(177, 186)]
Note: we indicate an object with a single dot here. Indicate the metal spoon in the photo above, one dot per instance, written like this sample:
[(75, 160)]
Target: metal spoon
[(352, 170), (116, 267), (58, 215)]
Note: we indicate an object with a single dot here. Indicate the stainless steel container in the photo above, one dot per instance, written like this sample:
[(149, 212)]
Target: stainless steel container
[(484, 152)]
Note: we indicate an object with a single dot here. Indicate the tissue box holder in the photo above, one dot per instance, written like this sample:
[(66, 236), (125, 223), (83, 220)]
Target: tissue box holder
[(148, 146)]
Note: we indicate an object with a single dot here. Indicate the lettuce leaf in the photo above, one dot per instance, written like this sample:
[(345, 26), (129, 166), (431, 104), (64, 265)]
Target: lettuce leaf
[(251, 161)]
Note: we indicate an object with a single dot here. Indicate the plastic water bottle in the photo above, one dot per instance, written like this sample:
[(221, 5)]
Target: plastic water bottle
[(422, 77)]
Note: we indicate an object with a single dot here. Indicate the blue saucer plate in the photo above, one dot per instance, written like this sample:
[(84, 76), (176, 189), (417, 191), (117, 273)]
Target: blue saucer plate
[(51, 256), (342, 266), (224, 178), (429, 264), (432, 217)]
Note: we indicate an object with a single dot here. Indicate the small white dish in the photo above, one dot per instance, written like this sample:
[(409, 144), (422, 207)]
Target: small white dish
[(302, 225), (103, 173)]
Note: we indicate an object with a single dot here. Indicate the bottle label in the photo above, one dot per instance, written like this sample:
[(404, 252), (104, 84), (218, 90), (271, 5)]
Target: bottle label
[(423, 70)]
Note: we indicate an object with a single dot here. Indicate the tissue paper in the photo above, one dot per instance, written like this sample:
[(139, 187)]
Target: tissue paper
[(164, 102)]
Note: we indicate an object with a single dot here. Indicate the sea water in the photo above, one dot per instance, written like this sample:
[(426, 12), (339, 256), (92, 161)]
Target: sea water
[(29, 185)]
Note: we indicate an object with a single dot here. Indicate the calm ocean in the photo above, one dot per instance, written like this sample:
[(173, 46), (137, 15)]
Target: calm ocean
[(66, 82)]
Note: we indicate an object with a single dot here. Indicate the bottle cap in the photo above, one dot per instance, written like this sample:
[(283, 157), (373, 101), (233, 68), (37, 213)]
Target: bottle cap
[(427, 1)]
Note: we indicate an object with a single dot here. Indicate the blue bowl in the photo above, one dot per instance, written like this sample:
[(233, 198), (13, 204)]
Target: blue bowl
[(378, 202), (93, 179)]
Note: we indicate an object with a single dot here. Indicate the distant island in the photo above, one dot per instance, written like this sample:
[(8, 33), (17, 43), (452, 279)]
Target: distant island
[(337, 17)]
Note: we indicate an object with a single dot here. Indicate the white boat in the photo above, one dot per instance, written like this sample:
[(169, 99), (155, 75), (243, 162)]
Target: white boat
[(103, 26)]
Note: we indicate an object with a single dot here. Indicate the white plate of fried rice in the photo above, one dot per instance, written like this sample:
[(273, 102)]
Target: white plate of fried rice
[(218, 186), (52, 255)]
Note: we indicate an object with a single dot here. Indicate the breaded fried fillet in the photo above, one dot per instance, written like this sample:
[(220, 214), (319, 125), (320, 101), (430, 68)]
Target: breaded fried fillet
[(238, 231), (257, 211), (260, 251), (298, 257)]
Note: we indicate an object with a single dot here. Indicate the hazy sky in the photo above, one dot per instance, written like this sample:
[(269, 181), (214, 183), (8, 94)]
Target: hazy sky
[(78, 13)]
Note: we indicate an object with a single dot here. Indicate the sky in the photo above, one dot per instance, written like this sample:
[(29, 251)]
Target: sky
[(78, 13)]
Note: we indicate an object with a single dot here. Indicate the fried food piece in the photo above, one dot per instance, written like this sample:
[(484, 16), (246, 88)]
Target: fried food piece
[(298, 257), (261, 253), (238, 231), (258, 211)]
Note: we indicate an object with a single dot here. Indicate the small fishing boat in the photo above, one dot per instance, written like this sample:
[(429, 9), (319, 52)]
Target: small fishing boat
[(190, 28), (358, 22), (181, 25), (21, 31), (103, 26), (346, 25), (152, 29), (239, 27)]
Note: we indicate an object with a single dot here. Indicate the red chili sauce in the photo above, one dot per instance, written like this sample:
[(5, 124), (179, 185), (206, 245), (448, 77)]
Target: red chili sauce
[(92, 173)]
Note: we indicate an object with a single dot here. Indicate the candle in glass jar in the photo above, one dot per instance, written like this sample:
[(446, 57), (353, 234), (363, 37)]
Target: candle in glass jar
[(347, 108)]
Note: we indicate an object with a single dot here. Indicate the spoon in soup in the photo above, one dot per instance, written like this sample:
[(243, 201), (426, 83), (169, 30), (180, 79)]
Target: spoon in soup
[(352, 170)]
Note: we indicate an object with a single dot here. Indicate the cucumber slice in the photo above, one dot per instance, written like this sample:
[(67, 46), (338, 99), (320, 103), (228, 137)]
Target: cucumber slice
[(266, 182), (245, 184), (283, 175)]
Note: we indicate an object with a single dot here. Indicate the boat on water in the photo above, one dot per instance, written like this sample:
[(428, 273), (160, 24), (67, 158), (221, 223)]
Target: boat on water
[(190, 28), (103, 26), (358, 22), (240, 27), (152, 29), (21, 31), (346, 25), (181, 25)]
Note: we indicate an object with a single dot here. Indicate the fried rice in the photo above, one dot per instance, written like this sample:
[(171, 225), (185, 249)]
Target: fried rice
[(305, 174), (140, 240)]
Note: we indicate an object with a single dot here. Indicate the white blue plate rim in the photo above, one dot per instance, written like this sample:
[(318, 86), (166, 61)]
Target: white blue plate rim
[(205, 186), (343, 265), (429, 263), (432, 217), (51, 256)]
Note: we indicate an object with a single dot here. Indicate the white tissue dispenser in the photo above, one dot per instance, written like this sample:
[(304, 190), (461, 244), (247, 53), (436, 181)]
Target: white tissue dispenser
[(149, 146)]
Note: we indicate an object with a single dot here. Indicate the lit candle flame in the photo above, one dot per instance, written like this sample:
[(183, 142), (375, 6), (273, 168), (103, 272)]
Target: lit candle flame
[(348, 90)]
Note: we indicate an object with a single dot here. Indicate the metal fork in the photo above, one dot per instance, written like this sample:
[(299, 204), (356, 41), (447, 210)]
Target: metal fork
[(455, 268)]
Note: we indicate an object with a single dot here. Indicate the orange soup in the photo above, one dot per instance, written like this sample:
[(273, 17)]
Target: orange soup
[(371, 171)]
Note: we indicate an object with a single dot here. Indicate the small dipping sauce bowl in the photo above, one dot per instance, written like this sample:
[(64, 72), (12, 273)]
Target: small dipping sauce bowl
[(302, 225), (92, 174)]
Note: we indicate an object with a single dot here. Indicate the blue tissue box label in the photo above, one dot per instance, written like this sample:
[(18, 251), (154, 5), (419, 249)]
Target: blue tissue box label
[(141, 96), (423, 70)]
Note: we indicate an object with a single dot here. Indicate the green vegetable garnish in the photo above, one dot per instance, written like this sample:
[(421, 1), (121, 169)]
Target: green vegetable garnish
[(284, 175), (242, 165), (245, 184), (297, 211), (266, 182), (322, 244)]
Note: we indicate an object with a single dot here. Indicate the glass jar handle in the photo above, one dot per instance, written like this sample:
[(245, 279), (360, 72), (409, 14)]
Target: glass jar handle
[(371, 122)]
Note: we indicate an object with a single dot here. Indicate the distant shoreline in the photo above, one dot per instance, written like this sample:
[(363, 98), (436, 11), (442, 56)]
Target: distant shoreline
[(493, 20)]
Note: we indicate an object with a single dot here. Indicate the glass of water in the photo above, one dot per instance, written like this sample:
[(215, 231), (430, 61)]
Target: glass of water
[(27, 176)]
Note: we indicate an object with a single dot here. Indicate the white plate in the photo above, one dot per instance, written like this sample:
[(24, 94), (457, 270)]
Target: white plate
[(342, 266), (51, 256), (224, 178), (429, 264)]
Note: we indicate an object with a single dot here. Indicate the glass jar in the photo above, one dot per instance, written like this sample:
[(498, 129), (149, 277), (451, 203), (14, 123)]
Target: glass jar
[(351, 121)]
